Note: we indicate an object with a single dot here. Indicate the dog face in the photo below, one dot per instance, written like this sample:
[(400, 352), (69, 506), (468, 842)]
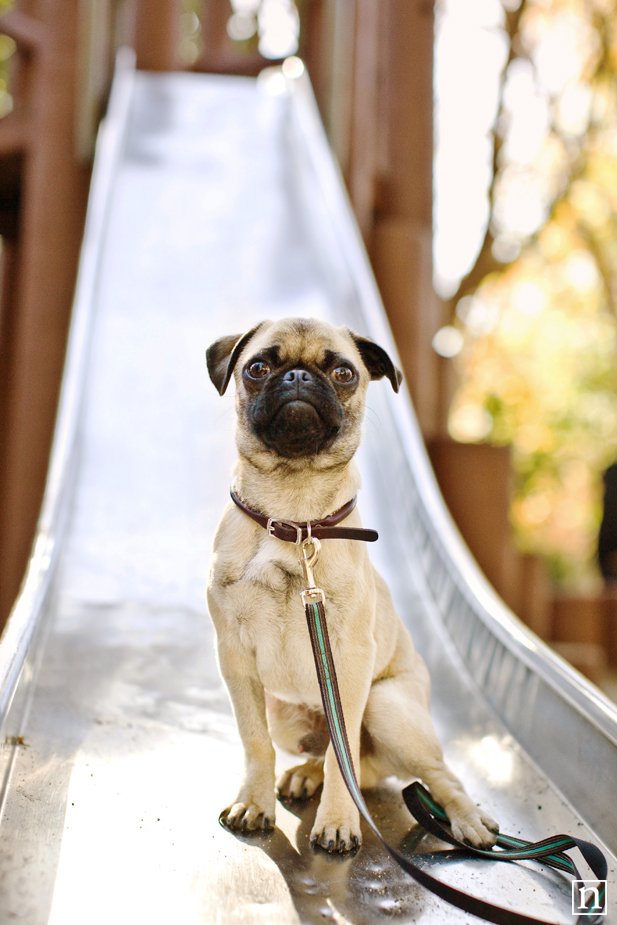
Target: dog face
[(300, 387)]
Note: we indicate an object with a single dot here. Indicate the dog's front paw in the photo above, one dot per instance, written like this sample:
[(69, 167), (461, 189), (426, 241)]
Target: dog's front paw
[(248, 817), (337, 831), (301, 782), (469, 824)]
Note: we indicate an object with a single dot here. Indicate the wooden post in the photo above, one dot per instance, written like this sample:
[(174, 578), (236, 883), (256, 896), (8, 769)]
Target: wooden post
[(579, 633), (401, 246), (220, 54), (362, 167), (41, 267), (475, 482), (341, 43), (157, 34), (316, 51)]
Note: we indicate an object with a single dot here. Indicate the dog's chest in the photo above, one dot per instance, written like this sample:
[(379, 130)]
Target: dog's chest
[(276, 630), (275, 567)]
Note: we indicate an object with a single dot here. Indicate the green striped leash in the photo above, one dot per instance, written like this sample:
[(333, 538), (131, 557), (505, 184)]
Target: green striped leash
[(421, 805)]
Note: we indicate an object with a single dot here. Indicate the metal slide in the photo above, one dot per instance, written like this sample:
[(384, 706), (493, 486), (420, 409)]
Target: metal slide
[(216, 203)]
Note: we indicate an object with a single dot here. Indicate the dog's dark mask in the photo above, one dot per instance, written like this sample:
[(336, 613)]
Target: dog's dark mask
[(295, 408)]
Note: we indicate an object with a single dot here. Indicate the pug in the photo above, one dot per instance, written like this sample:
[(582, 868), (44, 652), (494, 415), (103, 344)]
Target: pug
[(300, 402)]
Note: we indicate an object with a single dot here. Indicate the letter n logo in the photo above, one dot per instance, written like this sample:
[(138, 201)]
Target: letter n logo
[(589, 897)]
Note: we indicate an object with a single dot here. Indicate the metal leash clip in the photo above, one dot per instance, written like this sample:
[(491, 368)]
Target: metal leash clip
[(312, 595)]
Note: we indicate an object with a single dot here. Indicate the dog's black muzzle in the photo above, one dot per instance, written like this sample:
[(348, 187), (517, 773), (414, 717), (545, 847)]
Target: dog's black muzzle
[(297, 414)]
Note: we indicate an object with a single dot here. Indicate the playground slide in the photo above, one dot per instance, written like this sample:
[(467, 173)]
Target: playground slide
[(216, 203)]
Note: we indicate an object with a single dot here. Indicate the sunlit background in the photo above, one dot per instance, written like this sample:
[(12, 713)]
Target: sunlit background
[(271, 26), (525, 247), (525, 254), (525, 244)]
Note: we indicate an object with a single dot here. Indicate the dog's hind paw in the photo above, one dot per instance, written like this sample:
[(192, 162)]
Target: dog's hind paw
[(301, 782), (249, 817)]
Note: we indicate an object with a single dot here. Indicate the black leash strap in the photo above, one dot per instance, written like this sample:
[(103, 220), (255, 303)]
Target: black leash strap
[(421, 805), (429, 814)]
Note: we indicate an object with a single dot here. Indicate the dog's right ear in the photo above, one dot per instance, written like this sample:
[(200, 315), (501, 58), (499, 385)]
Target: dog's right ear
[(222, 356)]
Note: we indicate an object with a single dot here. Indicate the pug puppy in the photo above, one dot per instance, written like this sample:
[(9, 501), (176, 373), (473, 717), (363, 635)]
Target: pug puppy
[(300, 400)]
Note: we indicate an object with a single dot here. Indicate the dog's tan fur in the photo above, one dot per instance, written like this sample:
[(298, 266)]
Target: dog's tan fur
[(263, 645)]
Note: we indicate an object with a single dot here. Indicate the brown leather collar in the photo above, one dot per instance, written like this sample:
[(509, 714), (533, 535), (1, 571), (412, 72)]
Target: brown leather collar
[(325, 529)]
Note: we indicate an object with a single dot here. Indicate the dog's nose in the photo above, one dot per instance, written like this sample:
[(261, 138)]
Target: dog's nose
[(298, 376)]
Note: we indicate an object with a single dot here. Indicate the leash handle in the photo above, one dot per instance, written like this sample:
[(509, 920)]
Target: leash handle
[(426, 811)]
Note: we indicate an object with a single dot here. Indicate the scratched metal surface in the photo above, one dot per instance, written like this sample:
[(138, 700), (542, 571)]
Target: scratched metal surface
[(217, 204)]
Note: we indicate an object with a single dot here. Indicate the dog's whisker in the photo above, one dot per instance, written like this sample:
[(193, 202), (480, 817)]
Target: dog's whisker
[(223, 414), (372, 417)]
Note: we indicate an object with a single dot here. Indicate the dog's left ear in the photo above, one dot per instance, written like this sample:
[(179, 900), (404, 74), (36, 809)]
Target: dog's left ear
[(377, 360), (222, 356)]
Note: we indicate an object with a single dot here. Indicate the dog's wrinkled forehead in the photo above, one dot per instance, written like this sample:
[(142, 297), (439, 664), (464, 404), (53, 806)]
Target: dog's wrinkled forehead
[(299, 341), (302, 340)]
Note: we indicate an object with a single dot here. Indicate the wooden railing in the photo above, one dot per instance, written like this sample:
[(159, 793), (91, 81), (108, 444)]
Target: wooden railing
[(371, 65)]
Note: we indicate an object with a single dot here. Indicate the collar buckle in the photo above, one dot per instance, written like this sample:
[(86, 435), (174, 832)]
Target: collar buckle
[(271, 527)]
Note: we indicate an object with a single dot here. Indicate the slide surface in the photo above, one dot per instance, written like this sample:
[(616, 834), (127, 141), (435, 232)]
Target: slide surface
[(215, 204)]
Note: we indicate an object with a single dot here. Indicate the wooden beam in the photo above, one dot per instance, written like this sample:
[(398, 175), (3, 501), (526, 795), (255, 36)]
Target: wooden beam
[(401, 247), (363, 159), (28, 32), (38, 288), (15, 134), (157, 34)]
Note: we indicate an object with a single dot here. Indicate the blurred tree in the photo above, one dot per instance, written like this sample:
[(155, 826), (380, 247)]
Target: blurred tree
[(538, 309), (7, 50)]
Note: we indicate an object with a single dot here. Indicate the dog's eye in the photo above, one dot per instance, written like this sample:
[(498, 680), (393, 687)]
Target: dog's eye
[(342, 374), (258, 370)]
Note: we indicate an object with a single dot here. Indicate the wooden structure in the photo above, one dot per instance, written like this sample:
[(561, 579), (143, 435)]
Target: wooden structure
[(43, 188), (371, 63), (373, 77)]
